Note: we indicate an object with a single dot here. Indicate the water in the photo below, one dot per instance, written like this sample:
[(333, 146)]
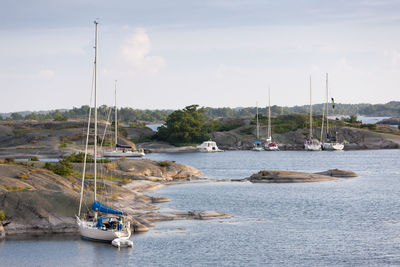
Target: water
[(154, 126), (345, 222), (363, 119)]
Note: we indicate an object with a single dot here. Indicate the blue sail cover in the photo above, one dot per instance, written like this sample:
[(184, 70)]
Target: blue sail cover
[(256, 142), (97, 206), (121, 146)]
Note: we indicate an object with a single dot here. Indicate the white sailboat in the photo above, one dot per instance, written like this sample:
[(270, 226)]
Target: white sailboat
[(330, 142), (311, 144), (113, 225), (269, 145), (126, 151), (257, 146)]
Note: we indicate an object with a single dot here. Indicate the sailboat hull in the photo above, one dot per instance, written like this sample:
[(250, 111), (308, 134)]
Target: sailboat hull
[(89, 231), (128, 154), (332, 146), (313, 145)]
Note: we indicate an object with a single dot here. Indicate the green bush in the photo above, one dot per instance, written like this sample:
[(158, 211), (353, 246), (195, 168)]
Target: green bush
[(165, 163), (2, 215), (9, 160), (63, 168), (63, 145), (34, 159), (80, 157)]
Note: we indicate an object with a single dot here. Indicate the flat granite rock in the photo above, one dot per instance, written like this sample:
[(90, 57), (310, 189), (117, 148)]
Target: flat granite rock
[(278, 176)]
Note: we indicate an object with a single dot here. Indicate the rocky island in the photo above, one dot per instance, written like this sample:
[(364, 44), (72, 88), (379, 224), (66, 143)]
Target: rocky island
[(277, 176)]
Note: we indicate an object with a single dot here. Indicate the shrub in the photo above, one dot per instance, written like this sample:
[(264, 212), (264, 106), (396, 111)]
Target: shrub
[(34, 159), (9, 160), (63, 168), (2, 215), (63, 145), (165, 163)]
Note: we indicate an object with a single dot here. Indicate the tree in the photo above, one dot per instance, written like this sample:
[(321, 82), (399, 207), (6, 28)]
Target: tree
[(185, 126)]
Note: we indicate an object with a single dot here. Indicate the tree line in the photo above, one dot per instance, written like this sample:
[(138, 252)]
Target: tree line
[(130, 115)]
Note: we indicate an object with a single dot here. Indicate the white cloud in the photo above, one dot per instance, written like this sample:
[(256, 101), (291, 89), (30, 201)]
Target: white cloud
[(136, 50), (394, 55), (47, 74)]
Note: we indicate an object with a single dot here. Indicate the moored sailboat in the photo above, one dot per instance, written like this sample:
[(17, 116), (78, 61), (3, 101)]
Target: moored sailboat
[(99, 228), (270, 145), (125, 151), (311, 144), (257, 146), (331, 142)]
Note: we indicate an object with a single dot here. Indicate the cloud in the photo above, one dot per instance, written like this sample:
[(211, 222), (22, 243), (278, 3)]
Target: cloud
[(394, 55), (46, 74), (136, 50)]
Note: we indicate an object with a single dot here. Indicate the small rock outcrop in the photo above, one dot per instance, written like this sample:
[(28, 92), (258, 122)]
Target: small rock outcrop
[(272, 176)]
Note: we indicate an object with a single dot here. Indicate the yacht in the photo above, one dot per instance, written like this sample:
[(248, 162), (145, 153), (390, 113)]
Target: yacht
[(209, 146), (331, 142)]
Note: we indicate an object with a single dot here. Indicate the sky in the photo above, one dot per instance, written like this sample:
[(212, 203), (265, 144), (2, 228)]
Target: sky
[(216, 53)]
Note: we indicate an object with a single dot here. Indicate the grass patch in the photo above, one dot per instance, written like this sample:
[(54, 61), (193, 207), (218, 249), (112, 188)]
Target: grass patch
[(23, 176), (165, 163)]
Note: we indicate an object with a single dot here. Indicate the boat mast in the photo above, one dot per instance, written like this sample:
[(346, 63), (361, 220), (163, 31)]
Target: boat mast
[(116, 126), (327, 109), (269, 115), (311, 134), (95, 112), (258, 128)]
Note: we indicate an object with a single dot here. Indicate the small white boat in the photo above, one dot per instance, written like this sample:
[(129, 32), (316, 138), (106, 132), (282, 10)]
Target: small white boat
[(122, 242), (208, 146), (311, 144)]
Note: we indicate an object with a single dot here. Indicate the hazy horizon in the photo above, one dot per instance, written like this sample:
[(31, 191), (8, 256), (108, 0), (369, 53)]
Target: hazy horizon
[(167, 55)]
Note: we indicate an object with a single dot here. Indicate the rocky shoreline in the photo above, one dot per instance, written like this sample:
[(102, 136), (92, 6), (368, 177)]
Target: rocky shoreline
[(37, 201), (26, 139)]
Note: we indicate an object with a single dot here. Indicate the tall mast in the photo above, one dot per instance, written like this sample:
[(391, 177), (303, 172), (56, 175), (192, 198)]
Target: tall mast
[(311, 134), (116, 118), (327, 107), (258, 128), (269, 114), (95, 111)]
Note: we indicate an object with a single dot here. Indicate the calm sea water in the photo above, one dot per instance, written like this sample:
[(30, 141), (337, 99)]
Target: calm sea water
[(345, 222)]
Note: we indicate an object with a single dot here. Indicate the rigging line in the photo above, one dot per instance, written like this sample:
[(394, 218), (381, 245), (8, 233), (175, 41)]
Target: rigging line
[(105, 127), (86, 145)]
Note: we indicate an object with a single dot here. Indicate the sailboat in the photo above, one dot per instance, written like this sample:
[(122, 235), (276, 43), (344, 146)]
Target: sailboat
[(330, 142), (126, 151), (311, 144), (257, 146), (112, 224), (269, 145)]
